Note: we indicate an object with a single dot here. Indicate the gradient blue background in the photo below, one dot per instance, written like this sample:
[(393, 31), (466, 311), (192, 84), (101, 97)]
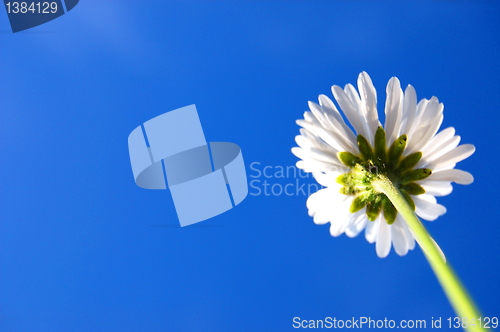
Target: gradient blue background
[(82, 248)]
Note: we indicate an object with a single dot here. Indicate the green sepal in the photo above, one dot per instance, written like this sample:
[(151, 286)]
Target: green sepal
[(396, 150), (350, 191), (413, 188), (352, 179), (365, 148), (344, 179), (409, 162), (390, 211), (359, 202), (408, 199), (373, 208), (415, 175), (380, 151), (348, 159)]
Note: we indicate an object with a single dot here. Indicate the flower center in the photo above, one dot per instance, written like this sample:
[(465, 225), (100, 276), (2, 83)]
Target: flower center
[(375, 161)]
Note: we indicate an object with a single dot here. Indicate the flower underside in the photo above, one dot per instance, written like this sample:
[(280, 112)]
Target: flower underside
[(376, 161)]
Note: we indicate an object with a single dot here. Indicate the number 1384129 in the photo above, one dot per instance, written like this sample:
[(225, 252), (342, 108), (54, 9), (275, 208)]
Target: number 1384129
[(31, 7)]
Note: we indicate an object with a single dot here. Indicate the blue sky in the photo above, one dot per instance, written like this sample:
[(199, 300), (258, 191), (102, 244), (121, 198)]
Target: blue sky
[(82, 248)]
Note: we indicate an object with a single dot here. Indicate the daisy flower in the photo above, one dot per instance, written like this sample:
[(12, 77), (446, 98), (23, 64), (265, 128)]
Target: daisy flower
[(407, 150)]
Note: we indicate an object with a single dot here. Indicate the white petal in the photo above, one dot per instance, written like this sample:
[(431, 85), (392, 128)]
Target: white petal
[(428, 198), (383, 246), (339, 221), (398, 238), (427, 210), (335, 140), (433, 110), (442, 147), (426, 125), (445, 147), (455, 175), (309, 117), (328, 126), (317, 141), (314, 128), (335, 210), (317, 111), (417, 121), (303, 142), (368, 95), (427, 133), (321, 217), (330, 108), (348, 109), (344, 139), (450, 166), (393, 110), (325, 156), (334, 116), (443, 136), (312, 165), (410, 239), (409, 109), (371, 230), (353, 95), (305, 124), (357, 223), (319, 155), (301, 153), (307, 134), (328, 205), (316, 205), (454, 156), (359, 107), (328, 179), (436, 188)]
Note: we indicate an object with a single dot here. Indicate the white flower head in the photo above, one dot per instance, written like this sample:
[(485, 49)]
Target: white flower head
[(408, 150)]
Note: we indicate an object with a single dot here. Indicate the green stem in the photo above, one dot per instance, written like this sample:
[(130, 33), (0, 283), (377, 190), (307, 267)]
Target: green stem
[(460, 300)]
